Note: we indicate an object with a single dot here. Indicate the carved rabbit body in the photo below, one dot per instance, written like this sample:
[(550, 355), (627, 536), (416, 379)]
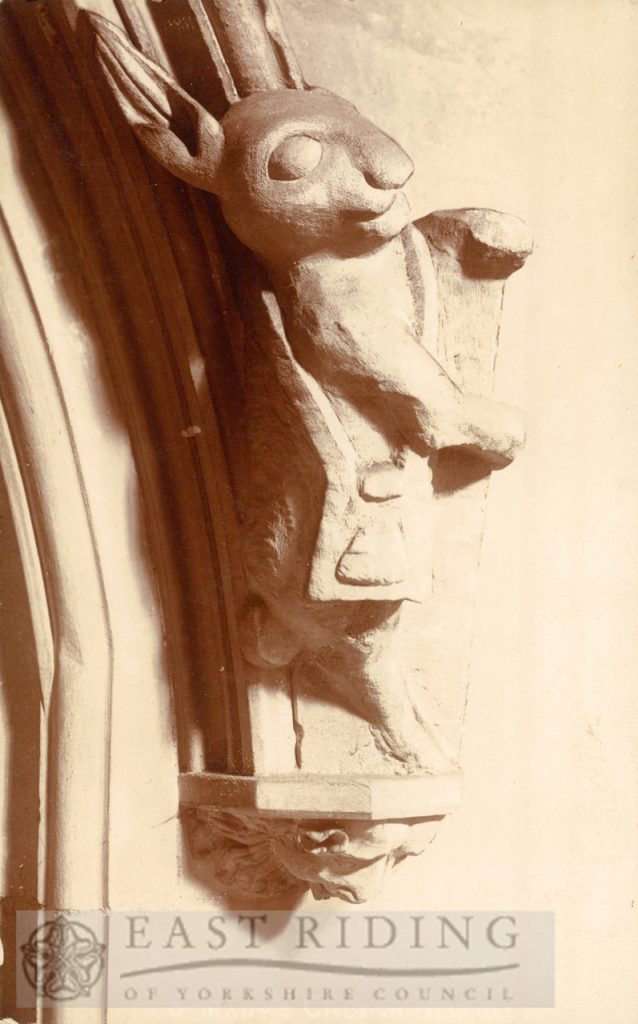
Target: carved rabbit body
[(338, 519)]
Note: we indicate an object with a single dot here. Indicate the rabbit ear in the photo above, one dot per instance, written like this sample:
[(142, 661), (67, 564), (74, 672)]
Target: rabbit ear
[(173, 127)]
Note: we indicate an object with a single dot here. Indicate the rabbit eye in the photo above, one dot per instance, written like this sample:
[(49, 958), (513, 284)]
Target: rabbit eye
[(294, 158)]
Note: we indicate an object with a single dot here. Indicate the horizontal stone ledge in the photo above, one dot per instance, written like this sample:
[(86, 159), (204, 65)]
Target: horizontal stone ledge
[(324, 796)]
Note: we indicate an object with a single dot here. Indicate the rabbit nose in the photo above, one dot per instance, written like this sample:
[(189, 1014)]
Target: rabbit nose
[(389, 170)]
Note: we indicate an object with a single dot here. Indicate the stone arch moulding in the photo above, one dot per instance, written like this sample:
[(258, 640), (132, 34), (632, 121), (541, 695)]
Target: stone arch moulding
[(295, 377)]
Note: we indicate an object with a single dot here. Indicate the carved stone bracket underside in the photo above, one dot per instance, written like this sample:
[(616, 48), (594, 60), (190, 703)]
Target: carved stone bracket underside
[(329, 362)]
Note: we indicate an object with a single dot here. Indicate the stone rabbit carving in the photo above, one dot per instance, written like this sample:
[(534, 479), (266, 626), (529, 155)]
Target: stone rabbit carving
[(347, 398)]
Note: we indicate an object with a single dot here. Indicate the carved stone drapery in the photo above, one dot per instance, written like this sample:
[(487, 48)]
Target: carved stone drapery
[(251, 376)]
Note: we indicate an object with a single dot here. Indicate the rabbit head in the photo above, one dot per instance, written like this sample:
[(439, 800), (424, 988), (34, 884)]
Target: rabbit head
[(296, 171), (304, 172)]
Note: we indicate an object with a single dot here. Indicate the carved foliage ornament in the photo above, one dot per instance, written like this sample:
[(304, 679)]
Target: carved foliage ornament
[(367, 436)]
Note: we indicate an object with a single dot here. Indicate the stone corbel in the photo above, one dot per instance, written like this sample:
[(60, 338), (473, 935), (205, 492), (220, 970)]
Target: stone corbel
[(328, 362), (360, 473)]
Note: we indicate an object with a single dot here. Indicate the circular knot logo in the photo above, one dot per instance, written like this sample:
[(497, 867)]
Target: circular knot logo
[(63, 959)]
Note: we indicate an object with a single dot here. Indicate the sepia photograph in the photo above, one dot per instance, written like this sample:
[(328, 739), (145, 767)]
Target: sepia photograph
[(318, 511)]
